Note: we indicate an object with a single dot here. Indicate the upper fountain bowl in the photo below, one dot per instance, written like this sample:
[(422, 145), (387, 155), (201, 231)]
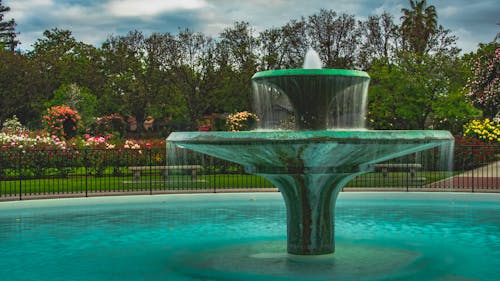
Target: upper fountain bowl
[(311, 99), (310, 71)]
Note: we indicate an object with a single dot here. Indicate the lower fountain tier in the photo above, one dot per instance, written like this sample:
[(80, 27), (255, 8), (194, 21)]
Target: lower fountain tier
[(310, 168)]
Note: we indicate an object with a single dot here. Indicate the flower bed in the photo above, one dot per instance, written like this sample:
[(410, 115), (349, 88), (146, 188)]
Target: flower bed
[(38, 155)]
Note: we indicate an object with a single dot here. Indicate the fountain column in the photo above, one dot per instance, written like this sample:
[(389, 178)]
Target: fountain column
[(310, 203)]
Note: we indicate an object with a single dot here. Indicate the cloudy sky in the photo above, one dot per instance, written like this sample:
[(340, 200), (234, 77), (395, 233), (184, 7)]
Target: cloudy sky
[(92, 21)]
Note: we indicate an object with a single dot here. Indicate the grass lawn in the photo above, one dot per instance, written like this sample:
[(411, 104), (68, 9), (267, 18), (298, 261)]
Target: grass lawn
[(398, 179), (109, 182), (81, 184)]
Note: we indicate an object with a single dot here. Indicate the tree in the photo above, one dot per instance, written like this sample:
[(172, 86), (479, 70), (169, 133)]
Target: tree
[(416, 93), (416, 86), (388, 106), (335, 38), (419, 24), (195, 74), (379, 40), (21, 88), (240, 45), (284, 47), (161, 50), (126, 90), (7, 30), (484, 85), (452, 110), (64, 60), (78, 98)]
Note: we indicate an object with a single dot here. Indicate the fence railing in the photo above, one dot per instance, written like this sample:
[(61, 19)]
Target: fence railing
[(93, 172)]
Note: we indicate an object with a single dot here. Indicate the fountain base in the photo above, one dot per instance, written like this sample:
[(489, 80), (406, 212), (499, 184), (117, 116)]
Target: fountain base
[(248, 262)]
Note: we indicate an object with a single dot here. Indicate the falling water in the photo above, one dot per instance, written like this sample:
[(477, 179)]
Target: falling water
[(311, 98)]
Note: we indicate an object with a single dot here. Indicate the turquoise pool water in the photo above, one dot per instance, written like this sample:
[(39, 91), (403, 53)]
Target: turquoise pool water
[(379, 236)]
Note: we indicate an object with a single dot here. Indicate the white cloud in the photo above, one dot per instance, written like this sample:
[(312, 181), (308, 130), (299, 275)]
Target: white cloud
[(134, 8), (449, 11), (21, 9)]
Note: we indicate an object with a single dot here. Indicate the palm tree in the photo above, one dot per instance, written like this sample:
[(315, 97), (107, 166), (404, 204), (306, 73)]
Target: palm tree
[(419, 23)]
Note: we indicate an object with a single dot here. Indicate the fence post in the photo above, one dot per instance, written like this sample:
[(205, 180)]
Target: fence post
[(150, 172), (214, 173), (407, 178), (20, 175), (85, 158), (473, 168)]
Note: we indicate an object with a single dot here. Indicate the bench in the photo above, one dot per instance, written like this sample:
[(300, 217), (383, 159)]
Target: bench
[(138, 169), (411, 168)]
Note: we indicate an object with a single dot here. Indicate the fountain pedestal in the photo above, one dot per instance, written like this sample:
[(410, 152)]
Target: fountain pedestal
[(310, 203)]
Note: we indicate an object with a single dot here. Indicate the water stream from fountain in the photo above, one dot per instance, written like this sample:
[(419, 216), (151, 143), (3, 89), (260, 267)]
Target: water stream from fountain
[(312, 60)]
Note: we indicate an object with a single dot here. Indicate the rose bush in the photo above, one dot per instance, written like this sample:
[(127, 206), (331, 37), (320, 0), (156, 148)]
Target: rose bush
[(471, 153), (61, 121), (35, 154)]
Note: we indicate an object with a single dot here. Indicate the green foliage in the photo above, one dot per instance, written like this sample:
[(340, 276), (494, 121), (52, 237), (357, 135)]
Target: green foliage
[(80, 99), (392, 105), (62, 60), (21, 85), (417, 93), (453, 112)]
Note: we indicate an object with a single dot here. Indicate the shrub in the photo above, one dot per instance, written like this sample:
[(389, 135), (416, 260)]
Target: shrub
[(212, 122), (484, 85), (33, 154), (471, 153), (113, 124), (241, 121), (13, 126), (484, 130), (61, 121)]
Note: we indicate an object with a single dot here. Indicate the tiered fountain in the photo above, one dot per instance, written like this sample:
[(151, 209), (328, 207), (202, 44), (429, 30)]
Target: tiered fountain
[(328, 147)]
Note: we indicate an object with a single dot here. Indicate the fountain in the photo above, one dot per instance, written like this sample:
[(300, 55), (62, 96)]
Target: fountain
[(328, 146)]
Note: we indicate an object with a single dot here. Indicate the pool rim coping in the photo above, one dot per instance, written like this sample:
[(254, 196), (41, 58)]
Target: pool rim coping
[(247, 196)]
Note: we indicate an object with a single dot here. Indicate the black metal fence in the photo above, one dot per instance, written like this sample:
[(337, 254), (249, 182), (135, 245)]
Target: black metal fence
[(29, 174)]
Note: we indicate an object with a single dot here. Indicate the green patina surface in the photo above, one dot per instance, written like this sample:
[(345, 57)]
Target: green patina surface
[(310, 136), (302, 72)]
